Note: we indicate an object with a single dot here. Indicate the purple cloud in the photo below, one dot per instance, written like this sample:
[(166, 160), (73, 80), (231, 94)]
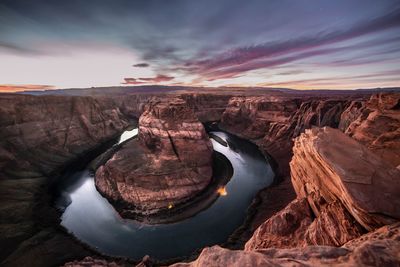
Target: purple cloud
[(242, 59), (141, 65)]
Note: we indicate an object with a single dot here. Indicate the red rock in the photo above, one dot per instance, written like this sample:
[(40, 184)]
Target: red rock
[(285, 229), (92, 262), (378, 126), (41, 134), (379, 248), (168, 165), (328, 167)]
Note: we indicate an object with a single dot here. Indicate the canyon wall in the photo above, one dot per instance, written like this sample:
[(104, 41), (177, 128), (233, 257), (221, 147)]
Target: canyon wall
[(273, 121), (39, 136)]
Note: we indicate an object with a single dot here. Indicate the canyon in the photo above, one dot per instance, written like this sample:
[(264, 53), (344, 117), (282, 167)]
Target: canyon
[(336, 156)]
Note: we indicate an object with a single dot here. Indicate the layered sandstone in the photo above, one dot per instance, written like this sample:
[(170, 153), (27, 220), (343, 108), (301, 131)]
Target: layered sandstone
[(376, 123), (41, 134), (328, 167), (170, 163), (378, 248), (343, 190), (273, 121)]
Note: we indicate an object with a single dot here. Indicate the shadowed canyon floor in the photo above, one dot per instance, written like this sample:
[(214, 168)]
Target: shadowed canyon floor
[(335, 203)]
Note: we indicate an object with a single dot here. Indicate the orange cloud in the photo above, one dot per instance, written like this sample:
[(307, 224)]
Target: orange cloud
[(9, 88)]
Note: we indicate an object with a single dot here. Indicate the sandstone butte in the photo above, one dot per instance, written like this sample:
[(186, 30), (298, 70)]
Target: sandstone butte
[(169, 164)]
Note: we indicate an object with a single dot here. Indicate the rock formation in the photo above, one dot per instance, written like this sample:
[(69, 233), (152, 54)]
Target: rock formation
[(41, 134), (342, 183), (378, 248), (376, 124), (169, 164), (329, 167)]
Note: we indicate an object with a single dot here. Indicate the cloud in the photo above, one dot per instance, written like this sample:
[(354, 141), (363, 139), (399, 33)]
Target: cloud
[(17, 49), (131, 81), (377, 76), (25, 87), (159, 78), (242, 59), (141, 65)]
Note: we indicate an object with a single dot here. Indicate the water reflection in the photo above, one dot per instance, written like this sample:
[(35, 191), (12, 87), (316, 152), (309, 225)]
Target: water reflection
[(127, 135), (93, 220)]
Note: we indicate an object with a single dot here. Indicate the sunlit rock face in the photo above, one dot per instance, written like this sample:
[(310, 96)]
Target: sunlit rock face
[(329, 167), (375, 123), (378, 248), (168, 164), (343, 191), (273, 121)]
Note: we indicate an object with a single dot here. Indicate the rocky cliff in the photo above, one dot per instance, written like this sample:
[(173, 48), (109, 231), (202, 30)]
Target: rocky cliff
[(40, 134), (376, 123), (169, 164), (339, 184), (273, 121)]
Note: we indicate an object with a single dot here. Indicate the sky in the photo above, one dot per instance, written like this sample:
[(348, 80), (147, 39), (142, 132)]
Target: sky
[(300, 44)]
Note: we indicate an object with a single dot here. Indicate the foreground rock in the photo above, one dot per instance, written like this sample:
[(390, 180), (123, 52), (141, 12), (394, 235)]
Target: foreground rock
[(343, 191), (329, 167), (169, 164), (378, 248)]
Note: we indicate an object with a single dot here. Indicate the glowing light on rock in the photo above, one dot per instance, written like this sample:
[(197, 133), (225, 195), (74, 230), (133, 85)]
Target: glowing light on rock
[(170, 206), (222, 191)]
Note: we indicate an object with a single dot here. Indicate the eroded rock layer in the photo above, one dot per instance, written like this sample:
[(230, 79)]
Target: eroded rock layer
[(38, 137), (378, 248), (328, 166), (343, 191), (41, 134), (376, 123), (170, 162)]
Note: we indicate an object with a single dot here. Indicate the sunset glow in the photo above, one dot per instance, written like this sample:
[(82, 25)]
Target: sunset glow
[(329, 44)]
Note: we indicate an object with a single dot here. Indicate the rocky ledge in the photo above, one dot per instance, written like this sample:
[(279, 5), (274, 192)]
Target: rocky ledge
[(170, 163), (378, 248), (343, 191)]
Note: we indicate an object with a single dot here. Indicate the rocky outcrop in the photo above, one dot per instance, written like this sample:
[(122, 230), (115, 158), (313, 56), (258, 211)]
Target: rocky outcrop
[(378, 248), (339, 185), (273, 121), (285, 229), (169, 164), (329, 167), (376, 123), (90, 262)]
